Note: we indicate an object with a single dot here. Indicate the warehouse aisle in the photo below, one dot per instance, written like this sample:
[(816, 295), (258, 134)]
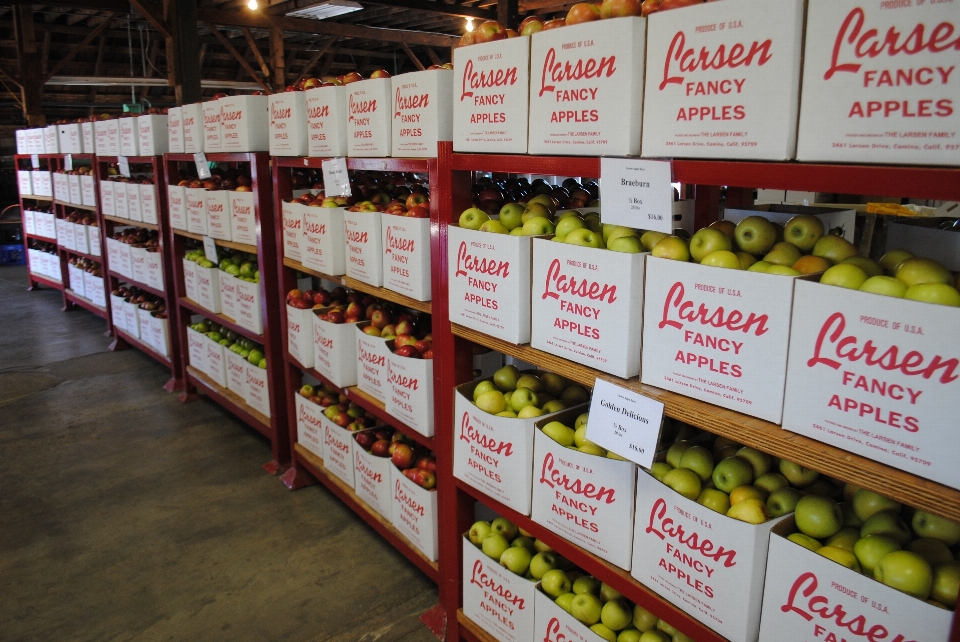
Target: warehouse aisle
[(125, 515)]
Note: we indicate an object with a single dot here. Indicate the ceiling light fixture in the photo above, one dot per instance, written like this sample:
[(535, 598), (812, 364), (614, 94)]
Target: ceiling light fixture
[(252, 5), (469, 24), (322, 10)]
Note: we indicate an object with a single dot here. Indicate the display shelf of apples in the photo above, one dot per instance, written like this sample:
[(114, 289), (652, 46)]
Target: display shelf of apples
[(242, 265), (246, 348), (86, 265), (524, 395), (417, 464), (912, 551)]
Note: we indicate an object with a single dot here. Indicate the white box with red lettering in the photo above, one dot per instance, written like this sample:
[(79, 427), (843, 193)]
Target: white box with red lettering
[(406, 255), (212, 130), (300, 335), (138, 264), (190, 280), (116, 312), (88, 190), (149, 208), (70, 138), (131, 315), (338, 447), (258, 389), (219, 223), (216, 362), (154, 269), (93, 240), (177, 206), (491, 97), (372, 354), (552, 623), (228, 295), (803, 589), (81, 238), (75, 277), (333, 349), (29, 222), (64, 233), (76, 193), (370, 117), (208, 288), (877, 86), (708, 565), (100, 138), (584, 498), (25, 182), (192, 118), (244, 125), (152, 132), (895, 408), (586, 305), (586, 88), (495, 598), (129, 136), (42, 184), (61, 189), (409, 391), (196, 349), (236, 372), (88, 134), (288, 124), (51, 140), (324, 240), (326, 109), (364, 243), (292, 217), (160, 333), (249, 314), (415, 513), (113, 137), (175, 130), (196, 210), (372, 480), (121, 206), (133, 202), (93, 289), (717, 335), (422, 112), (243, 223), (107, 197), (35, 140), (309, 424)]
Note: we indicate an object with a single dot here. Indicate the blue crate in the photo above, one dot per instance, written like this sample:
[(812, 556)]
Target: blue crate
[(12, 255)]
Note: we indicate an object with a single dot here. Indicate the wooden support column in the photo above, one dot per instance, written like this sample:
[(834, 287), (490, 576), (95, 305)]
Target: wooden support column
[(183, 50), (31, 91), (508, 13), (277, 58)]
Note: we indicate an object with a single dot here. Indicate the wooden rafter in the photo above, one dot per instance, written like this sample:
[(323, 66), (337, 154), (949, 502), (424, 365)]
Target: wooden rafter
[(313, 61), (413, 58), (264, 67), (76, 49), (236, 54), (434, 58), (154, 15)]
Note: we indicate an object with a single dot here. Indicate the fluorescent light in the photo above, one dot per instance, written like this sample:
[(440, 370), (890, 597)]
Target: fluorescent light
[(328, 9)]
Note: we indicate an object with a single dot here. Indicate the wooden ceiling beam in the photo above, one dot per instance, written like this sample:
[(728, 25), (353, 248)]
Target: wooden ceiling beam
[(413, 58), (154, 15), (264, 67), (314, 60), (236, 54), (76, 49)]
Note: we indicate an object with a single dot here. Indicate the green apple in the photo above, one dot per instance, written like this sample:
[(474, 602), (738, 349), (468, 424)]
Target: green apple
[(625, 244), (553, 384), (759, 266), (592, 221), (833, 247), (555, 583), (751, 511), (537, 226), (473, 218), (885, 286), (616, 615), (482, 387), (659, 469), (580, 436), (849, 515), (866, 503), (517, 231), (803, 231), (686, 482), (783, 501), (608, 593), (946, 583), (495, 227), (715, 500), (650, 239), (568, 224), (741, 493), (584, 237), (530, 382), (592, 449), (871, 267), (913, 271), (509, 414), (840, 556), (560, 433), (553, 406), (805, 541), (819, 517), (732, 472), (936, 293), (586, 607), (522, 397), (528, 412), (516, 559), (936, 527), (644, 620), (526, 542), (510, 215), (707, 241), (781, 270), (494, 545), (665, 627), (506, 378), (906, 572), (676, 451), (699, 460), (722, 259), (746, 260), (505, 527), (478, 531), (586, 584), (886, 523), (565, 601), (491, 402), (542, 562), (655, 636), (771, 482), (760, 461), (845, 538), (844, 275), (604, 632), (871, 549), (629, 635), (755, 235), (782, 253), (892, 259), (797, 475), (541, 547), (618, 231), (932, 550), (574, 395), (673, 248), (546, 201)]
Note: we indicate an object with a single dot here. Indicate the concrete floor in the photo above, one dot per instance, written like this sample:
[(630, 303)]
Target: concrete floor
[(125, 515)]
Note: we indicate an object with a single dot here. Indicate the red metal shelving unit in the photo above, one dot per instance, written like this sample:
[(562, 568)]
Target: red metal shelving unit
[(34, 281)]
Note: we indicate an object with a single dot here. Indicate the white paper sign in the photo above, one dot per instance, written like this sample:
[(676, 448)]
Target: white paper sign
[(35, 161), (637, 193), (210, 249), (123, 166), (203, 169), (335, 179), (625, 422), (68, 162)]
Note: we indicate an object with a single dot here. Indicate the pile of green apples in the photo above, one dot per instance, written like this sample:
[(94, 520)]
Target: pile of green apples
[(869, 533), (898, 274), (744, 484), (575, 438), (241, 265), (246, 348), (514, 549), (523, 395), (537, 217)]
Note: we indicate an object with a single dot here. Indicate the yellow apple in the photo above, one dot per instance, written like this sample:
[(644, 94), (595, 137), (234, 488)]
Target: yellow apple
[(752, 511), (746, 260), (494, 226), (707, 241), (871, 267), (844, 275), (835, 248), (781, 270), (783, 253), (915, 271), (722, 259), (885, 286), (892, 259), (650, 239), (672, 247), (938, 293)]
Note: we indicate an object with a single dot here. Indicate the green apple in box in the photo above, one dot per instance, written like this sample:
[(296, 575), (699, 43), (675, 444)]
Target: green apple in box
[(236, 372), (326, 109), (324, 241), (498, 600), (370, 118), (364, 243), (228, 295)]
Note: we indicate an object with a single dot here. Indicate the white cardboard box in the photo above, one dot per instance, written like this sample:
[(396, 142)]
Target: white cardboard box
[(243, 220), (338, 448), (292, 229), (208, 288), (219, 221), (155, 270), (113, 137), (196, 210), (88, 134), (93, 287), (61, 187), (123, 259), (177, 206), (369, 117), (71, 139), (116, 312), (409, 391), (145, 321), (898, 108), (129, 136), (175, 130), (875, 376), (153, 137), (586, 499), (160, 334), (326, 122), (300, 335), (498, 600), (131, 315), (586, 88), (35, 138), (107, 195), (138, 263), (553, 624), (88, 190), (25, 182), (364, 242), (212, 130), (190, 280), (121, 206), (586, 305), (334, 349), (415, 513), (80, 238), (406, 255), (42, 184), (491, 97), (922, 237), (149, 208), (288, 120), (22, 145), (133, 202), (324, 240), (248, 306), (243, 124), (192, 119), (309, 424), (75, 275), (709, 565), (217, 363), (197, 350), (100, 139), (76, 192), (422, 112), (51, 140), (372, 480), (93, 240), (372, 354), (228, 295), (46, 224), (29, 222), (258, 390), (717, 335), (803, 588), (64, 234)]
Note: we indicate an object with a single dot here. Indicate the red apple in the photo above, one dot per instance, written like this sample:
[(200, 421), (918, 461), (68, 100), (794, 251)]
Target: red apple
[(416, 199), (372, 331), (353, 76), (556, 23), (427, 462), (512, 33), (429, 355), (620, 8), (417, 211), (466, 39), (405, 326), (342, 419), (423, 346), (380, 319), (424, 479), (365, 439), (356, 426), (384, 433), (380, 73), (405, 340), (409, 352), (402, 456), (380, 448), (489, 31), (582, 12), (328, 400), (676, 4), (531, 25)]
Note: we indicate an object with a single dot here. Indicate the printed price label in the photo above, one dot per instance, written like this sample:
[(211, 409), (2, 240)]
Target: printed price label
[(35, 161), (336, 182), (68, 162), (625, 422), (637, 193), (210, 249), (123, 166), (203, 168)]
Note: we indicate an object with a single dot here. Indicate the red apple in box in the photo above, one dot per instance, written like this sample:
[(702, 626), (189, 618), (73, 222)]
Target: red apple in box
[(488, 32), (556, 23), (380, 318), (582, 12), (423, 346), (427, 462), (402, 455), (424, 478), (405, 340), (408, 351), (380, 448), (417, 199)]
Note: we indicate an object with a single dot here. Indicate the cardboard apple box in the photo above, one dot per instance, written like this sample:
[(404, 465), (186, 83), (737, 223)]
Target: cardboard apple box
[(134, 210), (553, 624), (116, 312), (196, 210), (422, 112), (64, 239), (93, 286), (42, 184), (717, 335), (100, 137), (131, 315), (112, 254), (160, 334), (922, 237), (236, 373), (877, 85), (258, 389), (121, 205), (177, 206), (25, 182), (192, 118), (491, 97), (248, 306), (243, 124), (88, 190), (414, 513), (288, 117), (152, 132), (243, 224), (196, 349), (709, 565), (228, 295), (88, 136), (61, 188), (334, 349), (406, 255), (129, 137), (76, 192), (217, 363), (148, 203), (175, 130), (219, 222), (76, 235), (338, 445), (29, 222), (75, 276), (372, 480), (326, 123), (144, 319), (154, 269), (124, 259), (292, 229), (35, 138), (21, 135), (208, 288), (324, 239), (138, 261), (370, 117), (409, 391), (803, 589), (586, 305), (876, 376), (47, 221), (372, 354), (364, 242), (70, 138), (51, 140), (107, 205), (586, 88), (212, 129), (300, 335), (93, 240), (309, 424), (586, 499), (498, 600), (113, 137), (81, 238)]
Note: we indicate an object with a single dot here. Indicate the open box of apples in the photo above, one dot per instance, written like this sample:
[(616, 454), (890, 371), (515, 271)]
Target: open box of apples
[(413, 490)]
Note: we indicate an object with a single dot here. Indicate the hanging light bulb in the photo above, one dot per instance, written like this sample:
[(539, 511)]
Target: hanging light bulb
[(252, 5), (469, 22)]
